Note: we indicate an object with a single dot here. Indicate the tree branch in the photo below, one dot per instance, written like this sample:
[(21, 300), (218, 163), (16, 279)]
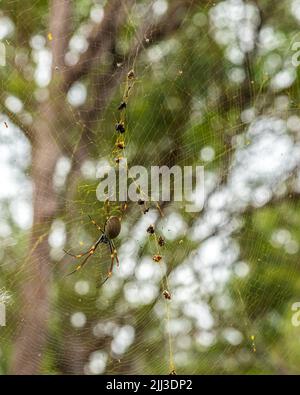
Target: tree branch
[(29, 132), (60, 29), (100, 40)]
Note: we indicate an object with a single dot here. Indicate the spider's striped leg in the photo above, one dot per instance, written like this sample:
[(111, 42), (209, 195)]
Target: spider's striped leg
[(102, 282), (112, 256), (90, 253), (80, 266), (115, 252), (77, 256), (94, 246), (107, 207), (95, 223), (123, 208)]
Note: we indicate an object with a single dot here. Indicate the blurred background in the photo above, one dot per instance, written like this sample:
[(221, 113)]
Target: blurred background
[(216, 84)]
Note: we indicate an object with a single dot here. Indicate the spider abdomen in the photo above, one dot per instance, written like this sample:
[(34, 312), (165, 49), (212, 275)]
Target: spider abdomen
[(112, 227)]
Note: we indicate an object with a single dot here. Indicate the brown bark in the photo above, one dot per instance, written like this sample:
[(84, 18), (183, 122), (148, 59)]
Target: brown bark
[(35, 310), (32, 334)]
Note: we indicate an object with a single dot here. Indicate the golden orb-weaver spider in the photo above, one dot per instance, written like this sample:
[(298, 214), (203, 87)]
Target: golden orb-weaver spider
[(112, 228)]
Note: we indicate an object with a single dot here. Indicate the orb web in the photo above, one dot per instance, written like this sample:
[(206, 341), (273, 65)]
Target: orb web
[(211, 94)]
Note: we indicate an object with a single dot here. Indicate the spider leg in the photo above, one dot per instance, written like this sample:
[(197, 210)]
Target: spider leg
[(77, 256), (107, 207), (123, 208), (102, 282), (90, 253), (95, 223), (113, 256), (81, 265), (115, 252)]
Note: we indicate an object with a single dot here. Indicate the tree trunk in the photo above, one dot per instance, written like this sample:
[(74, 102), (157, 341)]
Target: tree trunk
[(31, 339), (35, 310)]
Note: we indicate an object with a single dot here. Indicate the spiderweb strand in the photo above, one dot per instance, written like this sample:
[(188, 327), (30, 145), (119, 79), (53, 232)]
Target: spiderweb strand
[(120, 145)]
